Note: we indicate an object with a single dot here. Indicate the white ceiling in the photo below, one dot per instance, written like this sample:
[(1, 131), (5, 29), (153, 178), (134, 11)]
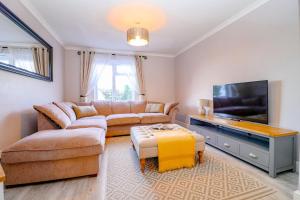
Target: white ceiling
[(175, 24)]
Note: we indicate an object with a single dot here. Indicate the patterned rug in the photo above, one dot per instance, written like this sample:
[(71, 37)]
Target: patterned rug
[(213, 180)]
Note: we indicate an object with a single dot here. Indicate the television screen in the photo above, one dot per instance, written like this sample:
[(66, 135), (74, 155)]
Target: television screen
[(242, 101)]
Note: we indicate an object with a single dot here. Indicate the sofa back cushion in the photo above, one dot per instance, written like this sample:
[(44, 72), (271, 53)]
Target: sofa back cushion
[(84, 111), (120, 107), (107, 107), (67, 107), (55, 114), (137, 106), (102, 107)]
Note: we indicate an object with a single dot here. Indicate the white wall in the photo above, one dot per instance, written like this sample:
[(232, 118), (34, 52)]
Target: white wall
[(159, 76), (72, 76), (18, 93), (262, 45), (158, 72)]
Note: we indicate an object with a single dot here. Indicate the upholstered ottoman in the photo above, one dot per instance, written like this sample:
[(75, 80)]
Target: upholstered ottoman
[(145, 143), (53, 154)]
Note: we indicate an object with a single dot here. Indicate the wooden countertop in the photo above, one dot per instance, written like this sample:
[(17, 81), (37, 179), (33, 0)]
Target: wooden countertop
[(2, 175), (260, 129)]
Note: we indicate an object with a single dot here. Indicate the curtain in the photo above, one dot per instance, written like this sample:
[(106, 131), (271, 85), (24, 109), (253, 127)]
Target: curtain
[(41, 60), (102, 63), (86, 74), (140, 78), (116, 77)]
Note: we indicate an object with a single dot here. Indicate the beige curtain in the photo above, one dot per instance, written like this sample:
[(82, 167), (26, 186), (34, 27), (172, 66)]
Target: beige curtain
[(41, 60), (140, 78), (86, 74)]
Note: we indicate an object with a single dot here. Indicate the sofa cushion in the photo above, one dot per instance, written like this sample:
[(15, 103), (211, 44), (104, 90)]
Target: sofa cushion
[(84, 111), (56, 145), (137, 106), (102, 107), (89, 122), (55, 114), (169, 106), (122, 119), (154, 108), (152, 118), (120, 107), (67, 108)]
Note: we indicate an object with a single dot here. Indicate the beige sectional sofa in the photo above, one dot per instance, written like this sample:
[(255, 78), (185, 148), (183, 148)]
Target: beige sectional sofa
[(116, 117), (66, 147), (121, 116)]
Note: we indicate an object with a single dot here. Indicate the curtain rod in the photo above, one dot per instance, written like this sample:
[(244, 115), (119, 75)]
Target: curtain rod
[(144, 57)]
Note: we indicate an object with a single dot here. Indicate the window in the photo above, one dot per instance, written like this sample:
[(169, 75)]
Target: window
[(18, 57), (115, 78)]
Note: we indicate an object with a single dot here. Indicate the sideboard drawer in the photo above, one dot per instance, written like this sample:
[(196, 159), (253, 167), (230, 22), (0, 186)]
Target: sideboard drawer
[(210, 136), (254, 155), (228, 144)]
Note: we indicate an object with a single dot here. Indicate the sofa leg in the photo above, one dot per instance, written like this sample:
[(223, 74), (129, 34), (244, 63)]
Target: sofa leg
[(142, 164), (93, 175), (201, 156)]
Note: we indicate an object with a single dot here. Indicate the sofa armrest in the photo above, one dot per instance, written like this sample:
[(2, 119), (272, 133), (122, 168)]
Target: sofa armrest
[(173, 113)]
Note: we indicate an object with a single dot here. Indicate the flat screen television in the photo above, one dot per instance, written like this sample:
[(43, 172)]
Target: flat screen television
[(242, 101)]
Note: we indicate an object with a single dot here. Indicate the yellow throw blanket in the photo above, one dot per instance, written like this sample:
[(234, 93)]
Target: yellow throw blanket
[(176, 149)]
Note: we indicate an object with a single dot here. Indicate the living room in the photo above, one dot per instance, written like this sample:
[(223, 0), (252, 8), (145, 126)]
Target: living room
[(107, 77)]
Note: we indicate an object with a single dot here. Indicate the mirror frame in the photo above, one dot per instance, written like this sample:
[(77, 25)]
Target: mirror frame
[(10, 15)]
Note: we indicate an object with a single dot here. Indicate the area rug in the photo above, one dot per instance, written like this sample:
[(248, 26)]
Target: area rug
[(215, 179)]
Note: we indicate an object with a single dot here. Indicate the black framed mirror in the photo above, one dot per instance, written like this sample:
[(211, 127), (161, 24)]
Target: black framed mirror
[(23, 51)]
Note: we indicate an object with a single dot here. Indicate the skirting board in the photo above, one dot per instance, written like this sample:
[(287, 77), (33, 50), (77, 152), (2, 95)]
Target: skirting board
[(181, 123), (1, 191)]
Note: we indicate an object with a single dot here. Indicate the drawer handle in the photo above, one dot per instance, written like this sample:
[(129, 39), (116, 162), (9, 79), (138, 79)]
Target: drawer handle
[(207, 137), (226, 145), (252, 155)]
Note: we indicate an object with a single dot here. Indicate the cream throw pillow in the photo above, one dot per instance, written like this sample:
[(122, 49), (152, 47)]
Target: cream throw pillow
[(85, 111), (154, 108)]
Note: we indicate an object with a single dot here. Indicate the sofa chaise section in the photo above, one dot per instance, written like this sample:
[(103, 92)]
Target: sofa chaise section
[(53, 154)]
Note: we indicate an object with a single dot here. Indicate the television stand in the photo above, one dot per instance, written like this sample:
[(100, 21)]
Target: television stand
[(269, 148)]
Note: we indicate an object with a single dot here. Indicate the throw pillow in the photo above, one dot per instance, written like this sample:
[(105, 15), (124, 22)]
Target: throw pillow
[(154, 108), (85, 111)]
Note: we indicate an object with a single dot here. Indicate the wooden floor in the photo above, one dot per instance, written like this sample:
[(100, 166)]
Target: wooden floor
[(94, 187)]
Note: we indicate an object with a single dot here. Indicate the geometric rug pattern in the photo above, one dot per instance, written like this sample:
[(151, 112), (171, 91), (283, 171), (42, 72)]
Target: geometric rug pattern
[(215, 179)]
